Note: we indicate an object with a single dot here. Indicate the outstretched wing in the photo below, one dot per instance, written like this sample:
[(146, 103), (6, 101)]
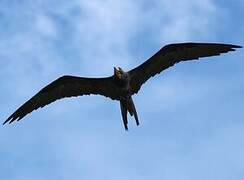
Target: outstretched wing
[(67, 86), (172, 54)]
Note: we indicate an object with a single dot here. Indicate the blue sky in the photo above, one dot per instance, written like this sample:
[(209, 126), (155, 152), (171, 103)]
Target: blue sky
[(191, 115)]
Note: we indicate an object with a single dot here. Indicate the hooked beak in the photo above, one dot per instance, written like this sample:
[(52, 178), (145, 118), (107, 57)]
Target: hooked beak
[(117, 72)]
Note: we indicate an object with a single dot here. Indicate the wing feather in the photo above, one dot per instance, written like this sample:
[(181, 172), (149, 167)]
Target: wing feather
[(66, 86), (172, 54)]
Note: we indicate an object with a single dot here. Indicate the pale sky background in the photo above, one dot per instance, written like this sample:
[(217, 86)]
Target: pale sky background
[(192, 124)]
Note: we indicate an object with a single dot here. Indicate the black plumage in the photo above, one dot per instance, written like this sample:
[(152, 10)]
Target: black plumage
[(122, 85)]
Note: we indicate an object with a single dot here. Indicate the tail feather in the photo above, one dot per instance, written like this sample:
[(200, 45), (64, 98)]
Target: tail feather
[(124, 114), (128, 106), (134, 112)]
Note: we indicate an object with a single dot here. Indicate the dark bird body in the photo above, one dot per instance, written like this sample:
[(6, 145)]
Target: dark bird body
[(122, 85)]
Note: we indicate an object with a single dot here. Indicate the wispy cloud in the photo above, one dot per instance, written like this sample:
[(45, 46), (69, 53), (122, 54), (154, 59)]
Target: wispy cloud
[(180, 20), (185, 121)]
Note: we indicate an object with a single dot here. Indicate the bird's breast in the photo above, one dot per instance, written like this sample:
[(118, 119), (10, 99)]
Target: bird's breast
[(124, 87)]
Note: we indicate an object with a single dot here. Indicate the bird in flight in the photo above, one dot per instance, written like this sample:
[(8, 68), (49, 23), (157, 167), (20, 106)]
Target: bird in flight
[(122, 85)]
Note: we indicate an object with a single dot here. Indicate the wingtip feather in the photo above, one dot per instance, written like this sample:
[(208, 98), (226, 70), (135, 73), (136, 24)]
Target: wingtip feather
[(8, 120), (11, 119), (236, 46)]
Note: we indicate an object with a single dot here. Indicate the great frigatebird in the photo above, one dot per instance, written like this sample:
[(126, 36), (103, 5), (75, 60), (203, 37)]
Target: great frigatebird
[(121, 85)]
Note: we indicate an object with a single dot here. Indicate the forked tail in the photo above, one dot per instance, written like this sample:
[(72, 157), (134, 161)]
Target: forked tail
[(128, 106)]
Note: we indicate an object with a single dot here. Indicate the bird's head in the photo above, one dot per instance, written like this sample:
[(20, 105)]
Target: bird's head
[(118, 72)]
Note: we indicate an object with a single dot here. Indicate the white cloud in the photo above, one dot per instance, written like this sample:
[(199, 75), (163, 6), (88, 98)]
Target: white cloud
[(46, 26), (104, 33), (182, 20), (88, 38)]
